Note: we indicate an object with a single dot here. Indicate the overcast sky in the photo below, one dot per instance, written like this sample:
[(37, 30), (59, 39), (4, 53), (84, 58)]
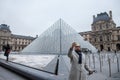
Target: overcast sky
[(32, 17)]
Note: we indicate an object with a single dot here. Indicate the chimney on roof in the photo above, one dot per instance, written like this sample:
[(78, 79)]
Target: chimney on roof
[(36, 36), (110, 12), (93, 17)]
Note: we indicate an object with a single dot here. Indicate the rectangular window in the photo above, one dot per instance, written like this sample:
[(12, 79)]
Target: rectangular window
[(95, 39), (119, 37)]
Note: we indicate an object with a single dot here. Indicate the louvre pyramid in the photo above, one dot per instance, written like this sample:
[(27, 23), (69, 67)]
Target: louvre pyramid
[(56, 40)]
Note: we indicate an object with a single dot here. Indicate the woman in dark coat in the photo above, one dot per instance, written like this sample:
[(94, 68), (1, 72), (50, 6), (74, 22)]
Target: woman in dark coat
[(7, 51)]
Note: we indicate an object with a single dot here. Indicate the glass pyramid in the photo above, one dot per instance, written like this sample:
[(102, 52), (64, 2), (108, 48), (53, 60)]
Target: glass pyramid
[(56, 40)]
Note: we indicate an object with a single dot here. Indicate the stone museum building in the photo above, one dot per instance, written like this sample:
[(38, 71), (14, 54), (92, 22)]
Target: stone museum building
[(104, 34), (17, 42)]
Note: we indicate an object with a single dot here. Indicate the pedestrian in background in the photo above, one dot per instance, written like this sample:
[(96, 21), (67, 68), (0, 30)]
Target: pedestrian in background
[(6, 48)]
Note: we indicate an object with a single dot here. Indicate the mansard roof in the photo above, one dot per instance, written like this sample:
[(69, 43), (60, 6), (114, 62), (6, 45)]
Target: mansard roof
[(4, 27), (101, 17)]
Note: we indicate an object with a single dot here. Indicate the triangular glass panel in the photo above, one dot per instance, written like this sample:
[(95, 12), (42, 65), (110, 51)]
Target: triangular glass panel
[(56, 40)]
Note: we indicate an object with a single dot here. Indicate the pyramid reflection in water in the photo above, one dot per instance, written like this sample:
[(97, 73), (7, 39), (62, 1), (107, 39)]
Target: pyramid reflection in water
[(57, 40)]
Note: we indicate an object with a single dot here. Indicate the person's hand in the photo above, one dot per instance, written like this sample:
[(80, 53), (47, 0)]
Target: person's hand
[(73, 44), (91, 72)]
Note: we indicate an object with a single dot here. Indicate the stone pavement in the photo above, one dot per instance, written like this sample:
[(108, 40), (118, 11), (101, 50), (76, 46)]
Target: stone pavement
[(8, 75), (115, 76), (63, 71), (100, 76)]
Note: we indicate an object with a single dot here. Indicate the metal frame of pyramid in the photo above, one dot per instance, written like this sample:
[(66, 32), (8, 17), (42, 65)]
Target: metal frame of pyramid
[(56, 40)]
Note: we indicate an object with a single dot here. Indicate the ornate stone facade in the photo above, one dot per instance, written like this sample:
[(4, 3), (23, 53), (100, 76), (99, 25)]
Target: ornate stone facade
[(17, 42), (104, 35)]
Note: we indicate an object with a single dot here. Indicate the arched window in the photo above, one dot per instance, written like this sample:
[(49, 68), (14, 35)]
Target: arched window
[(101, 38), (107, 26), (100, 27), (108, 38), (118, 46), (95, 39), (101, 47)]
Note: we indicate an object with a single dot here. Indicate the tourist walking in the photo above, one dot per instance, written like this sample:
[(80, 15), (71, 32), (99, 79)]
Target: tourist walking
[(6, 48)]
